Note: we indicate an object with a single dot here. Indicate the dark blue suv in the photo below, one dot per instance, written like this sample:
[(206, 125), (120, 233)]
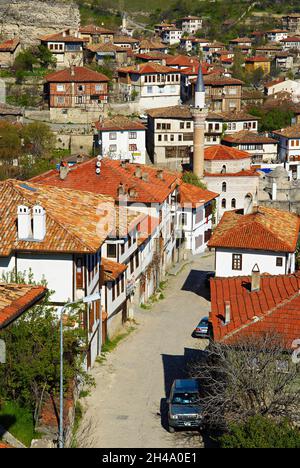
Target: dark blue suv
[(184, 405)]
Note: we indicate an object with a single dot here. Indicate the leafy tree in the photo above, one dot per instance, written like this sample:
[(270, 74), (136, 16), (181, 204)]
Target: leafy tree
[(38, 139), (261, 432), (45, 56), (25, 61), (238, 65), (10, 142), (191, 178), (33, 353), (272, 119), (257, 76)]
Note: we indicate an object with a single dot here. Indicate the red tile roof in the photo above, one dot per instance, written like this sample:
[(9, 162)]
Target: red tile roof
[(75, 222), (83, 177), (264, 229), (274, 82), (245, 136), (243, 173), (274, 308), (61, 37), (79, 74), (258, 59), (214, 80), (119, 122), (112, 270), (16, 299), (10, 45), (223, 153), (195, 196), (93, 29), (146, 68), (291, 39)]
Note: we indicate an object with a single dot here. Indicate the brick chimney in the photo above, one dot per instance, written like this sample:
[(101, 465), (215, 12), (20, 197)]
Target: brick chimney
[(138, 172)]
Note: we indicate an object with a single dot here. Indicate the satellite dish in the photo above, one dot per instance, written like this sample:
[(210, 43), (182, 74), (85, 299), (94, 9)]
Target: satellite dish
[(98, 163), (98, 170), (99, 157)]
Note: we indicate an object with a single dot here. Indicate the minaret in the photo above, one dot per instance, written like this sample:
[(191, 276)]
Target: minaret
[(199, 113)]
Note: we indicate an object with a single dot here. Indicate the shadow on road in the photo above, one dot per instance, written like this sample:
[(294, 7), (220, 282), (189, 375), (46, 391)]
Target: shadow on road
[(195, 283), (175, 367)]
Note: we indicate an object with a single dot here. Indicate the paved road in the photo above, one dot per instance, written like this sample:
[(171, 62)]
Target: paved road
[(124, 409)]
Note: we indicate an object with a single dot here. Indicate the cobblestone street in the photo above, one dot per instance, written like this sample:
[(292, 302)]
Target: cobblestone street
[(124, 410)]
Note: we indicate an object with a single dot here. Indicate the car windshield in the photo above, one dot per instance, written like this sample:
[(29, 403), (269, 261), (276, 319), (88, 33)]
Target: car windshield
[(185, 398), (203, 322)]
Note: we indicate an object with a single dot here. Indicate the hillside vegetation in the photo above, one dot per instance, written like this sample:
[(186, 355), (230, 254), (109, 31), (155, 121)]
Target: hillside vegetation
[(239, 16)]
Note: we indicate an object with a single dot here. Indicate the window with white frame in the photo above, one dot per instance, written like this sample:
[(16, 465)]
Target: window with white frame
[(132, 135), (113, 136)]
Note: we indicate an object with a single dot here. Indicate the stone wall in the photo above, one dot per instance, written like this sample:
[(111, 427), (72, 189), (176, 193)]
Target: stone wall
[(30, 19)]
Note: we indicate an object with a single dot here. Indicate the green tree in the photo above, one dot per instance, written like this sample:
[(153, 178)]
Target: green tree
[(38, 139), (25, 61), (45, 57), (191, 178), (238, 70), (10, 142), (33, 353), (261, 432)]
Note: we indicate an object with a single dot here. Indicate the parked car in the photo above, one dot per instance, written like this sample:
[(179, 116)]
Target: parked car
[(184, 409), (210, 274), (201, 330)]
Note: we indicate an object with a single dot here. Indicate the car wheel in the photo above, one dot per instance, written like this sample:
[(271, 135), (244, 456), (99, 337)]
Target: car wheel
[(171, 429)]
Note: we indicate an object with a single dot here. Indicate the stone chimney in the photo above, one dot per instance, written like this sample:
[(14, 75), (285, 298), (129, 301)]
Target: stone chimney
[(63, 170), (227, 313), (39, 223), (145, 177), (255, 279), (72, 70), (138, 172), (160, 174), (121, 190), (24, 223)]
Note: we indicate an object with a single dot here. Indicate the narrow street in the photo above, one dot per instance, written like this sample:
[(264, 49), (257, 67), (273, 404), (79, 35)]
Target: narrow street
[(124, 409)]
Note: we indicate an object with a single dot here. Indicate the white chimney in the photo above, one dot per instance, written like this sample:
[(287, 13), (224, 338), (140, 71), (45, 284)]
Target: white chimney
[(274, 190), (24, 223), (227, 312), (39, 223)]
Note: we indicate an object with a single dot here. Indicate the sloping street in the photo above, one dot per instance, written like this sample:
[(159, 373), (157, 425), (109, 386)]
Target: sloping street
[(125, 408)]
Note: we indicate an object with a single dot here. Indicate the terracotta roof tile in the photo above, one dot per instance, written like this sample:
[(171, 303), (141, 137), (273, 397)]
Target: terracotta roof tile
[(112, 270), (243, 173), (221, 153), (274, 308), (175, 112), (66, 231), (61, 37), (16, 299), (214, 80), (290, 132), (81, 74), (264, 229), (147, 68), (9, 46), (190, 194), (113, 173), (93, 29), (244, 136), (119, 122)]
